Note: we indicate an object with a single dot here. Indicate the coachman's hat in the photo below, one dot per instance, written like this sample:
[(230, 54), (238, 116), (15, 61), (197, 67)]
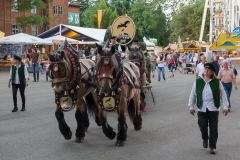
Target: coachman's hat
[(113, 37), (209, 66), (17, 58), (135, 40)]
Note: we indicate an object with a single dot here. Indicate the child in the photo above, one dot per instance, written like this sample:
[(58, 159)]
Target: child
[(47, 71)]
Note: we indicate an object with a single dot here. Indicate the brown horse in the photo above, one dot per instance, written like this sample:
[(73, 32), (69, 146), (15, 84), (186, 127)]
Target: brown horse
[(136, 56), (118, 88), (72, 81)]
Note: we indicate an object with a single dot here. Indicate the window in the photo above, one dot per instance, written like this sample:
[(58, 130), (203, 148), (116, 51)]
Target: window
[(55, 10), (238, 43), (34, 30), (34, 10), (14, 29), (14, 5), (60, 9)]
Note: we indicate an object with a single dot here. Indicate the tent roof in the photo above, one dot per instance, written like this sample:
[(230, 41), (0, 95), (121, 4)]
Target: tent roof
[(149, 44), (22, 38), (78, 33)]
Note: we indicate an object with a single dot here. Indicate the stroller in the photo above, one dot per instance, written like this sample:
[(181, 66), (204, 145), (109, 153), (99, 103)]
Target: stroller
[(189, 68)]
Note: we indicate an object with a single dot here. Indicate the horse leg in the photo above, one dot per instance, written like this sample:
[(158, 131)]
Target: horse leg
[(85, 119), (79, 115), (137, 118), (107, 129), (122, 125), (63, 127)]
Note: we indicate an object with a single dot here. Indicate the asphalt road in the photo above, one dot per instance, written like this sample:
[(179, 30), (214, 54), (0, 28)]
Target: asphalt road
[(169, 131)]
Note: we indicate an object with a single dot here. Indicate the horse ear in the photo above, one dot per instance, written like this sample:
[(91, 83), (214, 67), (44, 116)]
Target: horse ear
[(97, 45), (129, 48), (113, 50), (62, 54), (99, 49)]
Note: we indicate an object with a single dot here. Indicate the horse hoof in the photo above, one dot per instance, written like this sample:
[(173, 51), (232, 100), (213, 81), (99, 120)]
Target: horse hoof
[(68, 136), (137, 128), (85, 129), (79, 139), (120, 143), (113, 135)]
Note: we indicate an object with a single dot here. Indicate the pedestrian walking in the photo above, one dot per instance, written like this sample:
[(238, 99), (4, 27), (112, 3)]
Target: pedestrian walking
[(40, 61), (200, 66), (171, 64), (153, 63), (160, 62), (176, 58), (25, 60), (47, 71), (18, 77), (235, 71), (227, 76), (216, 64), (206, 93), (35, 65)]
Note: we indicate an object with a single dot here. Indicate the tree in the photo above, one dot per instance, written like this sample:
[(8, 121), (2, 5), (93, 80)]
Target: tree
[(187, 23), (150, 21), (90, 16), (27, 5), (121, 6)]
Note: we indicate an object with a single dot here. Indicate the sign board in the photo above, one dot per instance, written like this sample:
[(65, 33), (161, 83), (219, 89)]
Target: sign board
[(73, 18), (124, 29)]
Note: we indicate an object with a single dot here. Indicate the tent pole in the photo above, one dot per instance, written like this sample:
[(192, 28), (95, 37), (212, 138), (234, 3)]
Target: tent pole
[(60, 29)]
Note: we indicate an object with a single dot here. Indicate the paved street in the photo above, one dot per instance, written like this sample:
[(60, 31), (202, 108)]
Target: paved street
[(169, 132)]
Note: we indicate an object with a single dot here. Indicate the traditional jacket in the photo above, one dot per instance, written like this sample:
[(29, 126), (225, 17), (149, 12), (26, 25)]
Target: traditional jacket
[(20, 74), (214, 85)]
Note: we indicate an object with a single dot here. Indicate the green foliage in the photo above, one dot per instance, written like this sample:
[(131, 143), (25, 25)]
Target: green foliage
[(35, 20), (150, 21), (187, 23), (121, 6), (90, 17)]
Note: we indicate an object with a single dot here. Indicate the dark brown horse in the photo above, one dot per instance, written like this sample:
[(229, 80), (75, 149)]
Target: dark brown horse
[(118, 88), (136, 56), (72, 81)]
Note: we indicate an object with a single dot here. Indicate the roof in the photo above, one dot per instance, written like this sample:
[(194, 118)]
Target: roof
[(78, 33), (224, 42), (22, 38), (75, 5)]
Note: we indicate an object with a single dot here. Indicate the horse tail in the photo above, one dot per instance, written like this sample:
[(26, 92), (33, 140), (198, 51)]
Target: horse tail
[(90, 103), (131, 109)]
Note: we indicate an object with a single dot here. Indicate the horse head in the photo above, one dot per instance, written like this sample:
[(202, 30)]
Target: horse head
[(60, 71), (135, 55), (107, 67)]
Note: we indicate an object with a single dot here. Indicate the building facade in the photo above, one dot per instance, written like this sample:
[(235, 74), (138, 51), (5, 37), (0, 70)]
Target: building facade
[(59, 11)]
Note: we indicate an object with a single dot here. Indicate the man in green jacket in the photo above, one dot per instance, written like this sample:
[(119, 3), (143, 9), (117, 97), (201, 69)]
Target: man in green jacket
[(207, 91), (19, 78)]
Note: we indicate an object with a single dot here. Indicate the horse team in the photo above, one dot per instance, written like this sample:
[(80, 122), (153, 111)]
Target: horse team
[(89, 86)]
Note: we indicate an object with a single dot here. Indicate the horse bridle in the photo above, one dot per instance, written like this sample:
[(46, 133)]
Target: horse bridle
[(105, 75), (55, 67)]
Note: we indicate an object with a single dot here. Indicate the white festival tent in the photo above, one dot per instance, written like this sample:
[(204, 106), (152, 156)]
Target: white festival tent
[(14, 44), (60, 39), (24, 39), (84, 35)]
